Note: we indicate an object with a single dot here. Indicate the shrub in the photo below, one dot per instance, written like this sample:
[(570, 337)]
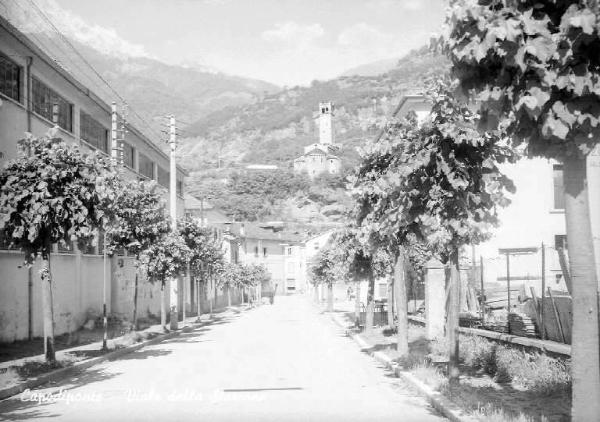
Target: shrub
[(478, 353)]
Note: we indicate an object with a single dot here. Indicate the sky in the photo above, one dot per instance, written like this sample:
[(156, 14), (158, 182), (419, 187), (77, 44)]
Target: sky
[(287, 42)]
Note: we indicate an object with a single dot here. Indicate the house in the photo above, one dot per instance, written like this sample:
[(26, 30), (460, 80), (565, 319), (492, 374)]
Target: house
[(279, 251), (535, 216), (205, 212), (36, 94), (319, 158)]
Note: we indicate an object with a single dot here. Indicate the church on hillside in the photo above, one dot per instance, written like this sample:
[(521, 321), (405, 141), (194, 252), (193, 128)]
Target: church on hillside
[(319, 158)]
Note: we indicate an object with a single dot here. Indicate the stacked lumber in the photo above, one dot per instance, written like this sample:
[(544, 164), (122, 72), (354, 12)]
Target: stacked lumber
[(497, 326), (521, 325)]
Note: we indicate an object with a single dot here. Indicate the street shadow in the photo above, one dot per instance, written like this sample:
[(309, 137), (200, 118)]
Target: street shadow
[(142, 354), (24, 407)]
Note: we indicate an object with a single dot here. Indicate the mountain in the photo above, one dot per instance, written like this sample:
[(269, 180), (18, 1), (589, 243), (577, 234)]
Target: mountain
[(152, 88), (373, 68), (275, 129)]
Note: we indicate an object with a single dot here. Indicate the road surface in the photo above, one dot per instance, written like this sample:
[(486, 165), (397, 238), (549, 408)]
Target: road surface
[(281, 362)]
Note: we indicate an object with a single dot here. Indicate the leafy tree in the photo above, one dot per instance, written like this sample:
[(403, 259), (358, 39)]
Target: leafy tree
[(206, 255), (166, 258), (534, 67), (359, 263), (50, 195), (438, 182), (138, 221)]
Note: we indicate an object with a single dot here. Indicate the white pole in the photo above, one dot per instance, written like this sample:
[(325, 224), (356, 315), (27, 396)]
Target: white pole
[(173, 212), (114, 148), (104, 319)]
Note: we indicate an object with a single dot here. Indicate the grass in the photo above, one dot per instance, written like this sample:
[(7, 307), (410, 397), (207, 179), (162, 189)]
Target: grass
[(491, 413), (532, 371)]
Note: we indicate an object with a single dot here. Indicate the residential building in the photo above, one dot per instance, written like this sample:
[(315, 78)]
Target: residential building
[(319, 158), (279, 251), (36, 94), (535, 216)]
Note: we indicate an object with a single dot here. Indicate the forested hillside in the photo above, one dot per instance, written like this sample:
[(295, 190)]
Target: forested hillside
[(275, 130)]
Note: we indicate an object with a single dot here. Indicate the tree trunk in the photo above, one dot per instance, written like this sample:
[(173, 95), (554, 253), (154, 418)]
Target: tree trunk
[(329, 297), (370, 305), (402, 305), (173, 299), (210, 297), (452, 310), (163, 310), (199, 298), (316, 293), (390, 302), (585, 345), (48, 311), (229, 296), (135, 300), (357, 305)]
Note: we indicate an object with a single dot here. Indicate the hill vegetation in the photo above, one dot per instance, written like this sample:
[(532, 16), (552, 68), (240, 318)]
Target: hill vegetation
[(275, 130)]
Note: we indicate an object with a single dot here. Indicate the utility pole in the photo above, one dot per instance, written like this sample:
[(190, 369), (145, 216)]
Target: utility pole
[(122, 134), (173, 296), (114, 148)]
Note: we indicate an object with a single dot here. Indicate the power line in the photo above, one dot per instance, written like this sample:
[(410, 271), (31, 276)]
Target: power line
[(89, 65)]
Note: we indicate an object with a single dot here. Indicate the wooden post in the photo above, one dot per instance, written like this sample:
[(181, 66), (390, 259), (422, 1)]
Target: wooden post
[(508, 288), (557, 316), (542, 321), (482, 307)]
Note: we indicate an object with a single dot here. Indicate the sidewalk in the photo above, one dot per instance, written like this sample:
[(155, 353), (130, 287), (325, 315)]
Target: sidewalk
[(69, 361)]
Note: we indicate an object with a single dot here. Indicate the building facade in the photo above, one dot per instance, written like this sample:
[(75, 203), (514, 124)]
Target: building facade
[(37, 94), (320, 158), (535, 216)]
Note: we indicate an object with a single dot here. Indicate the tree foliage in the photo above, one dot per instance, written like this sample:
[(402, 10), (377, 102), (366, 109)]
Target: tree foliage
[(438, 182), (534, 67), (165, 258), (238, 275), (138, 217), (205, 249), (50, 194)]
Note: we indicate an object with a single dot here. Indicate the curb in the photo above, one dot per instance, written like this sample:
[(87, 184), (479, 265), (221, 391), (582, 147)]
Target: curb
[(79, 366), (442, 404)]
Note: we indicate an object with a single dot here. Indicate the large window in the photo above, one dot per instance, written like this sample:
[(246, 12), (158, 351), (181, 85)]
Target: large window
[(10, 78), (128, 159), (93, 132), (163, 177), (559, 188), (47, 103), (146, 166)]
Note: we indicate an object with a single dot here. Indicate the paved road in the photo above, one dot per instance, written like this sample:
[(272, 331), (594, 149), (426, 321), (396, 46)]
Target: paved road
[(272, 363)]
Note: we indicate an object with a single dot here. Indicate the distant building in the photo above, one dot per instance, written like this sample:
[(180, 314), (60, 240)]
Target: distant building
[(261, 167), (319, 158), (268, 244)]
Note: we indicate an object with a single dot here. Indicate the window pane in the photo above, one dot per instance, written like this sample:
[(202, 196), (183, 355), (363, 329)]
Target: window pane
[(146, 166), (163, 177), (127, 155), (10, 81), (93, 132), (44, 101), (559, 190)]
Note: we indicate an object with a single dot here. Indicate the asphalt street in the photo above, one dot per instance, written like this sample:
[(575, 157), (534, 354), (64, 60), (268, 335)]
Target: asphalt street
[(280, 362)]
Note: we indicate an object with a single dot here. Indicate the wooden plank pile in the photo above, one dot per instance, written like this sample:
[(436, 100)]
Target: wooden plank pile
[(521, 325)]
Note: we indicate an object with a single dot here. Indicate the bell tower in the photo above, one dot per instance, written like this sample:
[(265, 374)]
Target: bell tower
[(325, 123)]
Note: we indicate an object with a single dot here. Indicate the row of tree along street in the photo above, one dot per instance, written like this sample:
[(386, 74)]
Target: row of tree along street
[(53, 193), (422, 190)]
